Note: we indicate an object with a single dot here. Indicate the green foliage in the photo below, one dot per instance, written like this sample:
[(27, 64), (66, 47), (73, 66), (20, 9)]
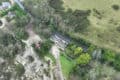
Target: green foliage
[(67, 65), (7, 39), (44, 48), (21, 33), (73, 51), (3, 13), (51, 57), (19, 12), (78, 51), (116, 7), (77, 20), (21, 17), (21, 21), (57, 5), (19, 69), (83, 59), (112, 58), (91, 48), (109, 56), (10, 46), (117, 63)]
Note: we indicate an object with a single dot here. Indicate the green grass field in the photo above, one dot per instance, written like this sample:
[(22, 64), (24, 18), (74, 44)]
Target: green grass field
[(102, 31), (67, 66)]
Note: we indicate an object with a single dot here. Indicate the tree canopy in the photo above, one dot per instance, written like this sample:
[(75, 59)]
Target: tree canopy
[(83, 59)]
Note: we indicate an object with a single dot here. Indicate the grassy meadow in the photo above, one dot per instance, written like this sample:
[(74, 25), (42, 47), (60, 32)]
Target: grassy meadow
[(67, 66), (104, 29)]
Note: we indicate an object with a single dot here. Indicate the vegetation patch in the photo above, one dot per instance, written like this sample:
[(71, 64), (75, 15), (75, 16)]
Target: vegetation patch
[(19, 69), (67, 65), (44, 48), (99, 26), (115, 7)]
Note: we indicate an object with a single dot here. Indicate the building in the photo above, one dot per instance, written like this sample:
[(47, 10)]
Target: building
[(5, 5), (60, 41)]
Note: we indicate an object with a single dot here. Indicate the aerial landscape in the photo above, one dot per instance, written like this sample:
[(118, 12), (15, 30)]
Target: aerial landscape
[(59, 39)]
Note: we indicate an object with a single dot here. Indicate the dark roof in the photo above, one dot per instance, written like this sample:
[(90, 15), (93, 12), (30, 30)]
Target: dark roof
[(62, 37)]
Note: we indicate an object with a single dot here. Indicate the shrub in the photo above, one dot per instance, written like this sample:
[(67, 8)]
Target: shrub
[(115, 7), (111, 57), (108, 56), (7, 39), (44, 48), (83, 59), (117, 63), (20, 69)]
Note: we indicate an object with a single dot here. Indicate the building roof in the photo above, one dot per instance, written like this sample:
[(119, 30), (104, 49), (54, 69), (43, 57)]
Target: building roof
[(60, 40), (5, 5)]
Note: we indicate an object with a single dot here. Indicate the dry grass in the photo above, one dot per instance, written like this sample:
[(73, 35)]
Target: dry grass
[(101, 32)]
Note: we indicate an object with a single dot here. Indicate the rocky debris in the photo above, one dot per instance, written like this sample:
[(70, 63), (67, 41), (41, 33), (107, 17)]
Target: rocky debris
[(37, 69)]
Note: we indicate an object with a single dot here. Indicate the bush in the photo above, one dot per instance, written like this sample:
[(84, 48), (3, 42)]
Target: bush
[(115, 7), (118, 28), (44, 48), (83, 59), (117, 63), (108, 56), (91, 48), (7, 39), (21, 33), (19, 69)]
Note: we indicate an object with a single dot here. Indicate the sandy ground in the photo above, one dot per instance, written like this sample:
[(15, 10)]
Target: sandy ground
[(34, 70), (58, 71), (55, 51)]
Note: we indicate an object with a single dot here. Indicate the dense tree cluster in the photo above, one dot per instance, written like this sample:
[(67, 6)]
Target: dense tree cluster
[(83, 59), (77, 53), (9, 46), (76, 20), (44, 48), (50, 18)]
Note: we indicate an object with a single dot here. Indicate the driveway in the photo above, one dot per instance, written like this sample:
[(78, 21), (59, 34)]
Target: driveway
[(57, 71)]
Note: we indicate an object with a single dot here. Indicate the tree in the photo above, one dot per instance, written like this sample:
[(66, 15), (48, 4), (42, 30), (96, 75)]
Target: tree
[(117, 63), (109, 56), (91, 48), (6, 39), (70, 50), (78, 51), (44, 48), (83, 59), (21, 33), (115, 7)]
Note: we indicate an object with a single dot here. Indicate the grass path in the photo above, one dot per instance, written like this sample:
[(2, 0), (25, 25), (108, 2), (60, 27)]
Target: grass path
[(67, 66)]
